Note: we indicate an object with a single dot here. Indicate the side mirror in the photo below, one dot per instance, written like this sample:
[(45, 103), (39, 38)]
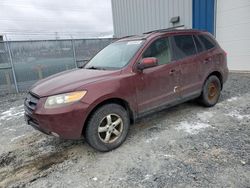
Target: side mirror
[(147, 63)]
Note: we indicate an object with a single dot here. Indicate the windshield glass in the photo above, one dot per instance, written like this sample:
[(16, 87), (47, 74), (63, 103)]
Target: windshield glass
[(115, 55)]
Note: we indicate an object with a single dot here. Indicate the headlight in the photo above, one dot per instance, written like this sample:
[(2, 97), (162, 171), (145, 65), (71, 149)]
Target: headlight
[(63, 99)]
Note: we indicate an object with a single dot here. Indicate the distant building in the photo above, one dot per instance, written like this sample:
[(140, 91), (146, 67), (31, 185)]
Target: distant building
[(227, 20)]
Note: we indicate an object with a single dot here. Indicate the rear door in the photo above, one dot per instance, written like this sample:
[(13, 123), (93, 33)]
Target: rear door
[(203, 59), (185, 54), (210, 58)]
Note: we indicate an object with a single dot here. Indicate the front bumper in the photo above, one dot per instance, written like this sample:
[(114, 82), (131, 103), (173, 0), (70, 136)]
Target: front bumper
[(66, 122)]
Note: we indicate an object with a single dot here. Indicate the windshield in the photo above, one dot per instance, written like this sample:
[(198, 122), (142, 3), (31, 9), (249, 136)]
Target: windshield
[(115, 55)]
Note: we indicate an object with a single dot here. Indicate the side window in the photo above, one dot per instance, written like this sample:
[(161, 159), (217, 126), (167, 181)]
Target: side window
[(159, 49), (199, 45), (207, 41), (184, 46)]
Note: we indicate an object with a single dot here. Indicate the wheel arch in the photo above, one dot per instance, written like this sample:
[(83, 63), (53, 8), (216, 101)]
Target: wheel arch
[(217, 74), (118, 101)]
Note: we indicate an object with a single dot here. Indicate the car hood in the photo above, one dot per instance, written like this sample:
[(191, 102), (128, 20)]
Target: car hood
[(69, 81)]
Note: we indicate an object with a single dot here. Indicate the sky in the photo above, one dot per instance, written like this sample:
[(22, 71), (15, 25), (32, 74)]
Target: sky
[(35, 19)]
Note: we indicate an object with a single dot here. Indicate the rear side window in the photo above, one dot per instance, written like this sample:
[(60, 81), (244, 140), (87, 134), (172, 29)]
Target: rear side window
[(184, 46), (207, 41)]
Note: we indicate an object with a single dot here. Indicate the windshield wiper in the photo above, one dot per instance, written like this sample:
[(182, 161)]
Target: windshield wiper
[(96, 68)]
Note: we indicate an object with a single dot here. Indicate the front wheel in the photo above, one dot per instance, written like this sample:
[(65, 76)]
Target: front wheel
[(107, 127), (211, 91)]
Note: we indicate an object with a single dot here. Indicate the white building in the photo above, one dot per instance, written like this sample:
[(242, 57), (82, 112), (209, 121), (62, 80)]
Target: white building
[(228, 20)]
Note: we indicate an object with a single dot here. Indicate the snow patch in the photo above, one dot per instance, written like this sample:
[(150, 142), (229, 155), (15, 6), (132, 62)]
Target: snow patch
[(9, 129), (233, 99), (12, 113), (205, 116), (167, 155), (237, 115), (195, 127), (152, 139), (16, 138), (192, 128), (146, 177)]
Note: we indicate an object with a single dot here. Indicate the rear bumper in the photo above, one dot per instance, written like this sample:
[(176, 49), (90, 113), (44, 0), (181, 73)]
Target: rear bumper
[(66, 122)]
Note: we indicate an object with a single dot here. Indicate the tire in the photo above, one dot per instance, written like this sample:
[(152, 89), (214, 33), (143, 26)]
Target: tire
[(107, 127), (211, 91)]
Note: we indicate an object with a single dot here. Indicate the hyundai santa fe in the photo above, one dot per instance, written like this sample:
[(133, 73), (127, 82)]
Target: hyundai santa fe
[(127, 80)]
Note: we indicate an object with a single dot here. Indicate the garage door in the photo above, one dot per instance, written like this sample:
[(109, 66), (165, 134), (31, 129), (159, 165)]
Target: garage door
[(233, 32)]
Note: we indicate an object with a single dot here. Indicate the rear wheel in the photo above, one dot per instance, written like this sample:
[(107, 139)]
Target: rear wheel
[(211, 91), (107, 128)]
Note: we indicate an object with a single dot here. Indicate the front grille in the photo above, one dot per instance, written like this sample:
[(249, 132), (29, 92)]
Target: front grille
[(30, 103)]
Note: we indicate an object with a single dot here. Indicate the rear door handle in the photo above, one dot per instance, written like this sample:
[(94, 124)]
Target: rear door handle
[(207, 60), (172, 71)]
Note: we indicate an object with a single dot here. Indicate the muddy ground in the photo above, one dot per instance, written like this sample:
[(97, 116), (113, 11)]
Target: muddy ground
[(184, 146)]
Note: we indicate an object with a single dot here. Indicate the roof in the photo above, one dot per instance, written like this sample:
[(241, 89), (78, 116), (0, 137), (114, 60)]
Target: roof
[(159, 32)]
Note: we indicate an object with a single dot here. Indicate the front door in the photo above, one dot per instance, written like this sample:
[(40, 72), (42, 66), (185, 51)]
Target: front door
[(159, 85)]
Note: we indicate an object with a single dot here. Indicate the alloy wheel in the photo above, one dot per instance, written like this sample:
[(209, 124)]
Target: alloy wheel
[(110, 128), (212, 91)]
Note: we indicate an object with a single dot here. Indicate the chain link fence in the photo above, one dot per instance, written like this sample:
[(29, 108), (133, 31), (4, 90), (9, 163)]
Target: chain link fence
[(22, 63)]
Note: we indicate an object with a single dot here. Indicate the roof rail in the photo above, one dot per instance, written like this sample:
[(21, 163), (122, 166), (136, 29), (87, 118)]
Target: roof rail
[(166, 29), (127, 36)]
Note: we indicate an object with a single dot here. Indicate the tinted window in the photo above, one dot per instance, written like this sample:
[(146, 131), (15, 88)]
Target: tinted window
[(184, 46), (198, 44), (160, 50), (207, 41)]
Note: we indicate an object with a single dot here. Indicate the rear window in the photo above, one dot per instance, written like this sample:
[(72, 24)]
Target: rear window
[(207, 41), (184, 46)]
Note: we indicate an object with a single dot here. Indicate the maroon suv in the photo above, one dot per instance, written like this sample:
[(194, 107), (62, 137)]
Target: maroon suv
[(128, 79)]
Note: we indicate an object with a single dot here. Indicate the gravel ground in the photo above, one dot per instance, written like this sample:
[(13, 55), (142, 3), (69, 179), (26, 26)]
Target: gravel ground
[(184, 146)]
